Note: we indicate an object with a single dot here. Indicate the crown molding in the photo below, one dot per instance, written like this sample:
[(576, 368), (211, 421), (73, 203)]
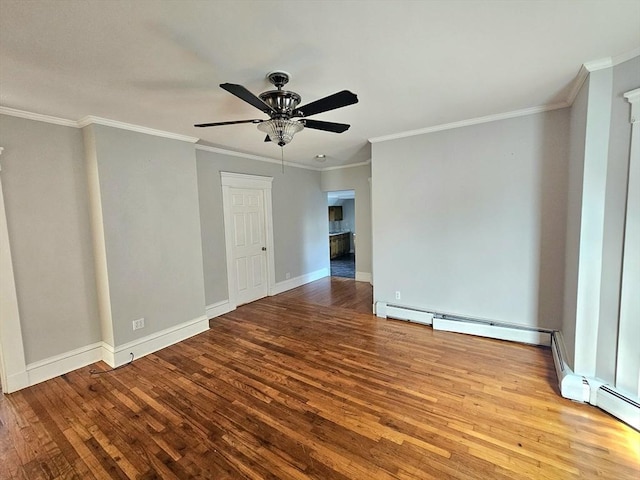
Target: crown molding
[(471, 121), (14, 112), (583, 73), (259, 158), (594, 66), (625, 57), (609, 62), (351, 165), (249, 156), (600, 64), (91, 120)]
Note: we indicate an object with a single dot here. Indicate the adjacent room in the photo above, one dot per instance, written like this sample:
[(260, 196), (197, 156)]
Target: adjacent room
[(342, 235), (317, 239)]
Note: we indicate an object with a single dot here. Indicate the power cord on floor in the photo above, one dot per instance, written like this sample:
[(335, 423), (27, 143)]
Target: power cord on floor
[(93, 371)]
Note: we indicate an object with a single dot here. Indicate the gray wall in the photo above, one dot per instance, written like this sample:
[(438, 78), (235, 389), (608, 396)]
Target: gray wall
[(357, 179), (149, 200), (45, 187), (472, 220), (299, 219)]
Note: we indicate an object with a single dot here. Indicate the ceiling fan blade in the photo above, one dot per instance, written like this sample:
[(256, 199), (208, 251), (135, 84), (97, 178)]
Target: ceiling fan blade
[(326, 126), (244, 94), (217, 124), (337, 100)]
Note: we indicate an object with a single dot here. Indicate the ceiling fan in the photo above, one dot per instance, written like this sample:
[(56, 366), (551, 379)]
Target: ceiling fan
[(285, 117)]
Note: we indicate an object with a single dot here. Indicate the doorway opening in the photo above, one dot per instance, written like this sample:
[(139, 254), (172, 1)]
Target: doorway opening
[(342, 233)]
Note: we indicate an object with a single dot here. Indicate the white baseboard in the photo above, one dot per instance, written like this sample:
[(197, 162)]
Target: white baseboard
[(363, 277), (16, 381), (493, 331), (384, 310), (114, 357), (64, 363), (218, 308), (296, 282)]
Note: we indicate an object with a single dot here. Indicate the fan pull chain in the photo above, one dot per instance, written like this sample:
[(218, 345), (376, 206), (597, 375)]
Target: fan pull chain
[(282, 157)]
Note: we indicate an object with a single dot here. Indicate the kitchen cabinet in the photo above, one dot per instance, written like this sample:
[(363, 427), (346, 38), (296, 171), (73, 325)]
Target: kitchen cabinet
[(339, 244), (335, 213)]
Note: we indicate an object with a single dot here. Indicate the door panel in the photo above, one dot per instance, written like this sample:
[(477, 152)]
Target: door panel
[(249, 240), (239, 230)]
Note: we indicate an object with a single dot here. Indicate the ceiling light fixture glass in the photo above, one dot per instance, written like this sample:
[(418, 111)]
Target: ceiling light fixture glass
[(280, 130)]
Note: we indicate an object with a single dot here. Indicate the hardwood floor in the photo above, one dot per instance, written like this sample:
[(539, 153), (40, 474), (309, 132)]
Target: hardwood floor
[(309, 384)]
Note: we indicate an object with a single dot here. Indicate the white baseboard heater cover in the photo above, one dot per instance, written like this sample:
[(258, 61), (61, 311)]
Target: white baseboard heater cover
[(591, 390), (572, 386), (619, 405), (481, 328), (386, 310), (493, 330)]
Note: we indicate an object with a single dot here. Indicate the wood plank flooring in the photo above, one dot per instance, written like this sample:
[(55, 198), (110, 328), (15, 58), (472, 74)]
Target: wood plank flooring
[(309, 384)]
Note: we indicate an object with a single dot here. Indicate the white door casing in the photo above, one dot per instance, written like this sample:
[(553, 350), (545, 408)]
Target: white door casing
[(248, 236)]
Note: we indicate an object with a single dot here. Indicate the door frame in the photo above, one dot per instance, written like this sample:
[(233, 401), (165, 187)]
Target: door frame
[(230, 180)]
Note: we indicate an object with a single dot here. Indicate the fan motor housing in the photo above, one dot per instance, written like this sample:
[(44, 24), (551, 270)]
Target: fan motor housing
[(282, 101)]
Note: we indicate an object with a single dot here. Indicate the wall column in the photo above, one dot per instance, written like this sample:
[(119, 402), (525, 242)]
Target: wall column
[(594, 183), (13, 369), (628, 360)]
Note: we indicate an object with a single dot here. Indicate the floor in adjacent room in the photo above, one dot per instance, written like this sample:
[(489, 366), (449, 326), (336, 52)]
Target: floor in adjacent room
[(309, 384), (344, 266)]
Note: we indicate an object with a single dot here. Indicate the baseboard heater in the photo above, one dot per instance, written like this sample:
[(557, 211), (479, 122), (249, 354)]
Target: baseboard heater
[(572, 386), (592, 390), (467, 325), (386, 310), (619, 405)]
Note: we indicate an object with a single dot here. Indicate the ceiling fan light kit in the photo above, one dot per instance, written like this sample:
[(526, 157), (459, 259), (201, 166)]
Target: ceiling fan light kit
[(282, 108), (280, 130)]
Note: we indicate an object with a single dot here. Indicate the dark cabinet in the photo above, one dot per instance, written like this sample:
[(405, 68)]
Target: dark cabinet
[(335, 213), (339, 244)]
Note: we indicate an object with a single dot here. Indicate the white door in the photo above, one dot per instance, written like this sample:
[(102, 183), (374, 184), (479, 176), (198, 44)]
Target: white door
[(249, 258)]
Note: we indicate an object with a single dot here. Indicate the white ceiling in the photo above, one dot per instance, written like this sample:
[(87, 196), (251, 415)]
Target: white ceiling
[(413, 64)]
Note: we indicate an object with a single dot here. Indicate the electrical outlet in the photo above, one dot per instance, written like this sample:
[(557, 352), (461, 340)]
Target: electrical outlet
[(397, 295), (138, 324)]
